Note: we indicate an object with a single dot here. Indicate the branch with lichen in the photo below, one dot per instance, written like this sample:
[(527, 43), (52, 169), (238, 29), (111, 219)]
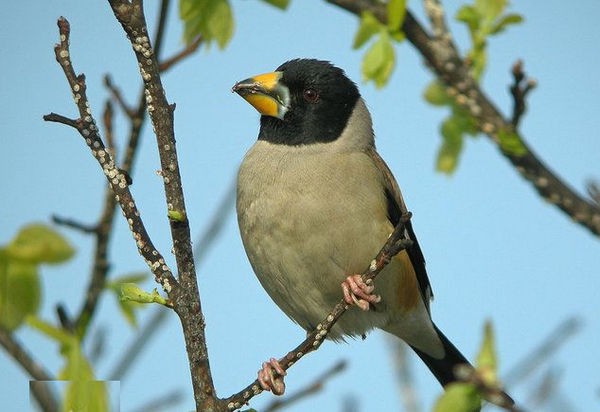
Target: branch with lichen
[(311, 389), (117, 179), (186, 298), (444, 59), (395, 243), (103, 228)]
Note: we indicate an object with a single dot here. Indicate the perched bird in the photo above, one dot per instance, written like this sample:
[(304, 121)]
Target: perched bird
[(316, 202)]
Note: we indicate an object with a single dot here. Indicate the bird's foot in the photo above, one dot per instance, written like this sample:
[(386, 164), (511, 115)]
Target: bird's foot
[(270, 377), (358, 292)]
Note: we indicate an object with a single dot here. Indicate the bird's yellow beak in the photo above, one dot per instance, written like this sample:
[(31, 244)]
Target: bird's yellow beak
[(265, 93)]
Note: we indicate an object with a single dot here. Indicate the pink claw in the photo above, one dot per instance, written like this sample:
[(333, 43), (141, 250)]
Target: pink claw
[(270, 377), (358, 292)]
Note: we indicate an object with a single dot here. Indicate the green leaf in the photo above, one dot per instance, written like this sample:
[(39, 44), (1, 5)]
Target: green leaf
[(19, 291), (435, 94), (505, 21), (490, 9), (176, 215), (37, 243), (367, 28), (131, 292), (378, 61), (478, 59), (396, 10), (211, 19), (486, 363), (398, 36), (511, 143), (127, 307), (469, 15), (280, 4), (458, 397), (83, 392), (449, 151)]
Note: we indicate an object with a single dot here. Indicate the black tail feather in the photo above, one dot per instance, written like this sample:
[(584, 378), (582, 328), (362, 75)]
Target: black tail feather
[(444, 369)]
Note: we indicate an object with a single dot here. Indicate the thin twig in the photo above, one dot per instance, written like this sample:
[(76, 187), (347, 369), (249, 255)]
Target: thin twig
[(161, 403), (191, 48), (215, 224), (404, 377), (395, 243), (118, 97), (74, 224), (435, 13), (134, 350), (519, 89), (312, 388), (548, 347), (86, 126), (593, 189), (108, 115), (148, 331), (40, 390), (136, 116), (454, 72)]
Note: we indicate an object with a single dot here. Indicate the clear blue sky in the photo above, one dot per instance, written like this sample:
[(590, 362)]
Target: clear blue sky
[(494, 249)]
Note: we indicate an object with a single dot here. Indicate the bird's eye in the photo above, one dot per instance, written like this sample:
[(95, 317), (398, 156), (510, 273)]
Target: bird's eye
[(310, 95)]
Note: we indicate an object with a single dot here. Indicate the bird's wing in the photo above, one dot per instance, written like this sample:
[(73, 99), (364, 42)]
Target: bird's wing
[(395, 208)]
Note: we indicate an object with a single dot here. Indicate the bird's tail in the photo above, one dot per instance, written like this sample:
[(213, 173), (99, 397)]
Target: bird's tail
[(444, 369)]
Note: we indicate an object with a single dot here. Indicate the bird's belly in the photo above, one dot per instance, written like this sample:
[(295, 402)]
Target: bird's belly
[(302, 248)]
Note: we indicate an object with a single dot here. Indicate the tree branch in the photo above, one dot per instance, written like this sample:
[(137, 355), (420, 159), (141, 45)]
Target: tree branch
[(404, 377), (312, 388), (118, 180), (40, 390), (444, 60), (395, 243), (177, 57), (186, 299), (103, 228), (548, 347)]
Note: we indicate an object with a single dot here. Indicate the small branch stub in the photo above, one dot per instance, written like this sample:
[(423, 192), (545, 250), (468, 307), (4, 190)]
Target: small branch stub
[(519, 90)]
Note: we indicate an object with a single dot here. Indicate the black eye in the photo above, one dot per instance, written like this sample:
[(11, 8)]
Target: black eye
[(310, 95)]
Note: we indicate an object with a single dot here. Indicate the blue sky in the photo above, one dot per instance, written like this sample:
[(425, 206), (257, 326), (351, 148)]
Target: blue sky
[(494, 249)]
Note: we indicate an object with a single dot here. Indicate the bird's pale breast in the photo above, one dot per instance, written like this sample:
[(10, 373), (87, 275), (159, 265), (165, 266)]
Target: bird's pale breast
[(307, 220)]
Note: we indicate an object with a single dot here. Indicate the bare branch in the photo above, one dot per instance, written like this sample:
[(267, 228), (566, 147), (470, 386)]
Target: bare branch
[(404, 378), (395, 243), (118, 97), (40, 390), (443, 58), (118, 180), (131, 354), (548, 347), (74, 224), (215, 224), (177, 57), (186, 299), (108, 115), (162, 403), (312, 388)]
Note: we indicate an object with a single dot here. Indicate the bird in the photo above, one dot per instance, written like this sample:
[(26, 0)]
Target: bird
[(316, 202)]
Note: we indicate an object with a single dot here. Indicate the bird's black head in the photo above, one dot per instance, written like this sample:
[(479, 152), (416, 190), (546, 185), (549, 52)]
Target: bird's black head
[(309, 101)]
